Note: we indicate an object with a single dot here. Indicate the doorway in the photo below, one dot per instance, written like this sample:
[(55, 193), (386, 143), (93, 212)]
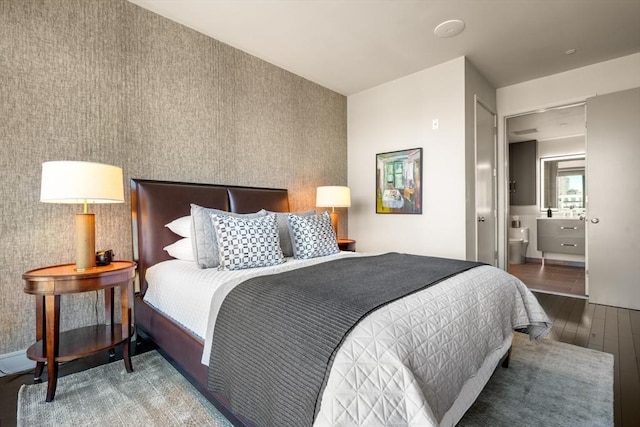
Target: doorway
[(547, 170)]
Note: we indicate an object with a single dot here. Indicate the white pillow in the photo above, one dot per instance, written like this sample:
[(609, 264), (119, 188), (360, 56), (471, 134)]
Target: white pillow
[(181, 226), (247, 242), (312, 236), (181, 250)]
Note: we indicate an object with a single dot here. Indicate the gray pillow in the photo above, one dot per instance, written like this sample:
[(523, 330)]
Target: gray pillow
[(203, 235), (283, 229)]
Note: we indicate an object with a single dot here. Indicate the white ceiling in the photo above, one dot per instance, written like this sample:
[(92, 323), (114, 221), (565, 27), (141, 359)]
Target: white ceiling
[(554, 123), (352, 45)]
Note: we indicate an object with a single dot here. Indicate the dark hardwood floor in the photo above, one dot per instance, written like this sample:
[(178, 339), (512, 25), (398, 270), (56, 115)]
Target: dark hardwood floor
[(575, 321), (562, 279)]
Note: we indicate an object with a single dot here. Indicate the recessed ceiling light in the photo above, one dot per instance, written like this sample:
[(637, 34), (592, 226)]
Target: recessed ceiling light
[(569, 51), (449, 28)]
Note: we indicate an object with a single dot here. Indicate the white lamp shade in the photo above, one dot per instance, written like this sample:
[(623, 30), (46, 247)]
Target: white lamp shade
[(81, 182), (333, 197)]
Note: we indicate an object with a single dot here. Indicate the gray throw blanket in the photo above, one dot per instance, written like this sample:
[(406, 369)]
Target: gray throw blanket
[(276, 336)]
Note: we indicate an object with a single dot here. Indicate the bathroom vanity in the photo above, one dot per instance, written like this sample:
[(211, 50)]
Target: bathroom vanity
[(561, 235)]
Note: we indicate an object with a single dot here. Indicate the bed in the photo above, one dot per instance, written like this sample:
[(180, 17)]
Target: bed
[(373, 378)]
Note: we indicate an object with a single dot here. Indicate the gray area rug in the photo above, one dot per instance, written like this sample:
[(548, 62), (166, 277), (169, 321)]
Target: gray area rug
[(550, 384), (547, 384), (154, 394)]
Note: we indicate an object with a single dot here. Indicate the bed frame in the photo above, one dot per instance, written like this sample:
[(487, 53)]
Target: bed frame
[(154, 204)]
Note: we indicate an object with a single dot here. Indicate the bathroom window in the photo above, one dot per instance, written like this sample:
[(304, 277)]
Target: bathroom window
[(562, 182)]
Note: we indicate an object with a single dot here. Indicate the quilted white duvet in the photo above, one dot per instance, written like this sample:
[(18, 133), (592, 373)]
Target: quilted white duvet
[(407, 363), (422, 360)]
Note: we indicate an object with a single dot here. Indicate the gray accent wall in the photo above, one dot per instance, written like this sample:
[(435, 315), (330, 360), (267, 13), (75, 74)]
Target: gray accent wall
[(107, 81)]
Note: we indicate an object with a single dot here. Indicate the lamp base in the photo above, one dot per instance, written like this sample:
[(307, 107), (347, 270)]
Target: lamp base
[(85, 241), (334, 222)]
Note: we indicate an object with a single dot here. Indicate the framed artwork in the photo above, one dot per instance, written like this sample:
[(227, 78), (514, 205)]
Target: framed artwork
[(399, 182)]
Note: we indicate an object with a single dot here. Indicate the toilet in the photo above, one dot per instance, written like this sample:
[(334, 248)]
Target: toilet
[(518, 242)]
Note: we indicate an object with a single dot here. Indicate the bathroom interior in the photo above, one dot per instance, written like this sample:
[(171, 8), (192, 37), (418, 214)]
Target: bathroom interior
[(547, 169)]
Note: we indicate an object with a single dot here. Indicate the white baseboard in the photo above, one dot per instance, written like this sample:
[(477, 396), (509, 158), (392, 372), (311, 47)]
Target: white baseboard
[(11, 363)]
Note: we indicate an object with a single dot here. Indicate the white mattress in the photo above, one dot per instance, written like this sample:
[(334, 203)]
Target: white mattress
[(192, 296), (419, 361)]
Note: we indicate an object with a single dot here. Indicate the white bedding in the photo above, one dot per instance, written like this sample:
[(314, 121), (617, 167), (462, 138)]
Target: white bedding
[(419, 361), (192, 295)]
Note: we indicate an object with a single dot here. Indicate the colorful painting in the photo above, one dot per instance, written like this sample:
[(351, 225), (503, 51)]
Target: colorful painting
[(399, 182)]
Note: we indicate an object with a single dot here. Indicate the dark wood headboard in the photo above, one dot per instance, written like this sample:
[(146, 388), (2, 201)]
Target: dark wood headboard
[(156, 203)]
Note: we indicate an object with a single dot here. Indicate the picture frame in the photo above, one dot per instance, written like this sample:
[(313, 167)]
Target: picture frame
[(399, 182)]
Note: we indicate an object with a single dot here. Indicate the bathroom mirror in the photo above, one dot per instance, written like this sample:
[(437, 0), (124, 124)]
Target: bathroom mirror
[(562, 182)]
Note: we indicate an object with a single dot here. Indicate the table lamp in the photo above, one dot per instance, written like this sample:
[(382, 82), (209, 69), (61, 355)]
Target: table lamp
[(82, 183), (333, 197)]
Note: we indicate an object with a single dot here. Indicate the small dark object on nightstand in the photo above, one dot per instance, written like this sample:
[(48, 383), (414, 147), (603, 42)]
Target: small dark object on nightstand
[(104, 257)]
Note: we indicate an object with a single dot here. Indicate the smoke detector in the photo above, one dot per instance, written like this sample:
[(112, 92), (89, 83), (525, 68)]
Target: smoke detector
[(449, 28)]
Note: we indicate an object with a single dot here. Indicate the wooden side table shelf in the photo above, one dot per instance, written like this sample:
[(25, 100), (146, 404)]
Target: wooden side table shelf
[(51, 346), (347, 245)]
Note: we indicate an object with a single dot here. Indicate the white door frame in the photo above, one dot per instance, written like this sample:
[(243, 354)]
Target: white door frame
[(505, 179)]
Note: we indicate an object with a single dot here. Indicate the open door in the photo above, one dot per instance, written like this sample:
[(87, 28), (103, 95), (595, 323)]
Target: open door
[(486, 186), (613, 199)]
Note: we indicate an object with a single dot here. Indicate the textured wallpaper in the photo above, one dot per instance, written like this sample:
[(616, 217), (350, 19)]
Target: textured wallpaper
[(107, 81)]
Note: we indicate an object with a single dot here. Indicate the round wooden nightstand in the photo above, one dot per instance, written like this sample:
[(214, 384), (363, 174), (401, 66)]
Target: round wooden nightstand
[(51, 346), (347, 245)]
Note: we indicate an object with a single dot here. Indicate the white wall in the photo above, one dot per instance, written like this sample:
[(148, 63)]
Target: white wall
[(558, 89), (398, 115), (559, 147)]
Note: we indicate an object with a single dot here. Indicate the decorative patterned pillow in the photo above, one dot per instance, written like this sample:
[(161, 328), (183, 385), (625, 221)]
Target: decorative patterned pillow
[(283, 229), (312, 236), (205, 243), (182, 249), (247, 242)]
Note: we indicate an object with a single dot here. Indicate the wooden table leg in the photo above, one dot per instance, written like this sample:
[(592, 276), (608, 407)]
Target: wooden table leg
[(38, 372), (108, 314), (52, 309), (108, 306), (125, 307), (41, 333)]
